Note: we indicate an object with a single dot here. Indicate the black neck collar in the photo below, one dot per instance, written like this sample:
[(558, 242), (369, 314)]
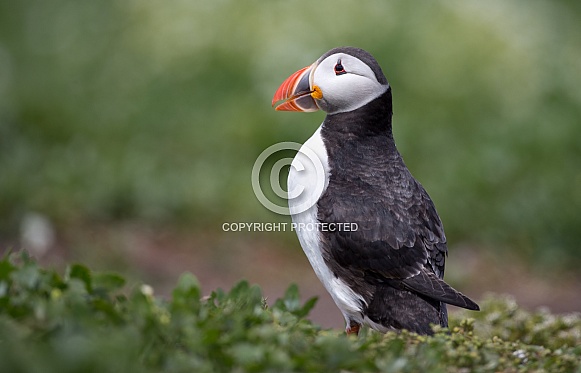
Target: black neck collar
[(372, 119)]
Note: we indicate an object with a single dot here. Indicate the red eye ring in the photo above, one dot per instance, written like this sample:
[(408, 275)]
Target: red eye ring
[(339, 69)]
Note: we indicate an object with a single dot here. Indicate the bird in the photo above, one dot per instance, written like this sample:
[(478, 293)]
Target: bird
[(367, 226)]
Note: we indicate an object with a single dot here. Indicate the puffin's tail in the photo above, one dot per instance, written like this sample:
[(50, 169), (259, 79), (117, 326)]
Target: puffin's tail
[(428, 284)]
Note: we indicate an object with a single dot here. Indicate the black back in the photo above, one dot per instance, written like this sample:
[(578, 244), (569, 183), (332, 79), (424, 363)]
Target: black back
[(399, 232)]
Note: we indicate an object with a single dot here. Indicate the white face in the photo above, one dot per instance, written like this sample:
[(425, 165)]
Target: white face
[(347, 83)]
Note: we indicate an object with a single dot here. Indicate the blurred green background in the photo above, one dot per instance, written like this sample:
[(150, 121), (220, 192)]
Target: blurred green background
[(128, 131)]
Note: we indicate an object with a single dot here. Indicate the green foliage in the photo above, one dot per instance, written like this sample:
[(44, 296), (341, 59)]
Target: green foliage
[(87, 322), (156, 111)]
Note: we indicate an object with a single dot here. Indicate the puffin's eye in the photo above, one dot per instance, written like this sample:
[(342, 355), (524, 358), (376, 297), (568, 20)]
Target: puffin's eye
[(339, 69)]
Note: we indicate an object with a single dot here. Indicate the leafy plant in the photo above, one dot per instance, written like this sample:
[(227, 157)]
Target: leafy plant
[(91, 322)]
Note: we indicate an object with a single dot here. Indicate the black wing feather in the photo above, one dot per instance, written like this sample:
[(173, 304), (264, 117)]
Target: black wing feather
[(427, 283), (398, 234)]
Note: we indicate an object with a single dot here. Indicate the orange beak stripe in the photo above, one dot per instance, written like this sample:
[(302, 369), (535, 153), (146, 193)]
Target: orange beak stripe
[(285, 92)]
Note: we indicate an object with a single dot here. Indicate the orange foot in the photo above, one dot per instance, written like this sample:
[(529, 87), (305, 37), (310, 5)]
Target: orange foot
[(353, 328)]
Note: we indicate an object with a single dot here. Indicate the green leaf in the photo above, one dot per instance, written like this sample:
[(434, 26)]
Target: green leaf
[(291, 302), (108, 281), (80, 272), (186, 295), (307, 307), (6, 268)]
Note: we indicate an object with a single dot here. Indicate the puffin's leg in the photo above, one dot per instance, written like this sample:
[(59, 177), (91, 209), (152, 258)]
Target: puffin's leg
[(352, 328)]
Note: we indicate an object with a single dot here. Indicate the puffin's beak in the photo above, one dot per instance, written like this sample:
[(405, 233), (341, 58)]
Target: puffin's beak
[(297, 92)]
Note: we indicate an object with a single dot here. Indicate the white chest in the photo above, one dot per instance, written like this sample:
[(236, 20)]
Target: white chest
[(307, 181)]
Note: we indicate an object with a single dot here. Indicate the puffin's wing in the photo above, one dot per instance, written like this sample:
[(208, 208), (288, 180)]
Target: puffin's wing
[(398, 241), (427, 283), (396, 236)]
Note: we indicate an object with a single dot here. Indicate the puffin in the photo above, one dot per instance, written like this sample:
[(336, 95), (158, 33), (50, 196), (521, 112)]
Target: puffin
[(367, 226)]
